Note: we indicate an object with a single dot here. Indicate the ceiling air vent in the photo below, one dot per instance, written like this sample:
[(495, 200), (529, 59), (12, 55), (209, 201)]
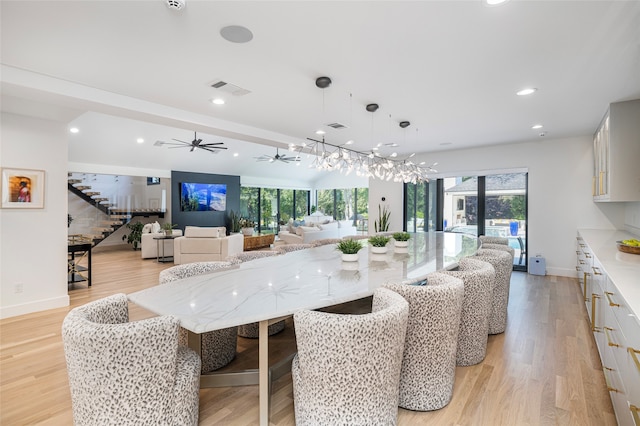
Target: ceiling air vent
[(337, 126), (229, 88), (175, 4)]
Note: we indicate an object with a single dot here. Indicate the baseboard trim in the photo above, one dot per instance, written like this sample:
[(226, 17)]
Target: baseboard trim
[(35, 306)]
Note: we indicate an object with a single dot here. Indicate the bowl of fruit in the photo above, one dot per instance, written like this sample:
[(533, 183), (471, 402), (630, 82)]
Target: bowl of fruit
[(629, 246)]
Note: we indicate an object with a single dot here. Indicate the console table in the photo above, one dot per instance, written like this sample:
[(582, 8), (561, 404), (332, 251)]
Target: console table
[(160, 241), (78, 245), (253, 242), (268, 289)]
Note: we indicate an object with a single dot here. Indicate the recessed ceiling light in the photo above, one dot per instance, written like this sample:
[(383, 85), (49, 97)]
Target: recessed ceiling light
[(140, 140), (536, 126), (494, 2), (74, 130), (375, 148), (217, 101), (394, 154), (527, 91), (349, 142), (235, 154), (320, 132), (236, 34)]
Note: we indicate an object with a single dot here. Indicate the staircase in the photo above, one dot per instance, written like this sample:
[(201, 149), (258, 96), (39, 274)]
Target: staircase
[(116, 217)]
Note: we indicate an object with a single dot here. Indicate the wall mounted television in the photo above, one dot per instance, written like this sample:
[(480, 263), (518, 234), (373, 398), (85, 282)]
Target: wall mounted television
[(203, 197)]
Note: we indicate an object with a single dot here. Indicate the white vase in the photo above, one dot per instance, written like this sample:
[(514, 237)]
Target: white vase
[(350, 266), (402, 244), (347, 257), (378, 250), (247, 231)]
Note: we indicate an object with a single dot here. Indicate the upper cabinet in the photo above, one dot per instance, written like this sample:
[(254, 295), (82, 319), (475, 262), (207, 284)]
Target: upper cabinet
[(616, 146)]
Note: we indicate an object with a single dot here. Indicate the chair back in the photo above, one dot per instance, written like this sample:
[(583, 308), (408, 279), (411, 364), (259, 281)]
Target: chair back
[(347, 369), (186, 270), (429, 360), (502, 262), (120, 372)]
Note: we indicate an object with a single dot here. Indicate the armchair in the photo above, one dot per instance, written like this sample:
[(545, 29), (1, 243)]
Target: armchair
[(128, 373), (205, 244)]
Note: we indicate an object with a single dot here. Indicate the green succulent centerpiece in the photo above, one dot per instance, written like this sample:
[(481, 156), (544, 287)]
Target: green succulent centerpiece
[(379, 243), (379, 240), (401, 239), (234, 222), (349, 249)]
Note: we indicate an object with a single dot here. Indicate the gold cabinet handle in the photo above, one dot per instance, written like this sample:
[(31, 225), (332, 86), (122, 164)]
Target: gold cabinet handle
[(601, 180), (587, 255), (633, 352), (578, 269), (593, 186), (609, 341), (582, 245), (606, 379), (634, 413), (594, 300), (596, 270), (582, 262), (609, 294), (584, 283)]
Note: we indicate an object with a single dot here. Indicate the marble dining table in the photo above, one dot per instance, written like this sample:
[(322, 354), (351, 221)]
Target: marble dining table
[(268, 289)]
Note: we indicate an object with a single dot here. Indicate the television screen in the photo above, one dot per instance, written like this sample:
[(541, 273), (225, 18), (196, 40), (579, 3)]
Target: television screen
[(203, 197)]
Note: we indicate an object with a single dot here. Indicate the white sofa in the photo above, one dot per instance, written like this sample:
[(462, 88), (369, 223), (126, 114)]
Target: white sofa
[(149, 246), (204, 244), (308, 234)]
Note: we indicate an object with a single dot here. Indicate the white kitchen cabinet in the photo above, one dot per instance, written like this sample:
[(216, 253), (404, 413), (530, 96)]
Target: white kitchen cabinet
[(613, 304), (616, 145)]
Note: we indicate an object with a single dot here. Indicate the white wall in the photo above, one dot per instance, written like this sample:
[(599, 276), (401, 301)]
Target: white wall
[(33, 242), (560, 200), (393, 194), (632, 217)]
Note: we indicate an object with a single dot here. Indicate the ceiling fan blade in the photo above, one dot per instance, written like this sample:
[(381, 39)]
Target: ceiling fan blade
[(181, 146), (178, 140), (211, 143)]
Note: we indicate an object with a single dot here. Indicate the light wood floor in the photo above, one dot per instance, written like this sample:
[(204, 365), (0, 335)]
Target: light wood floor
[(544, 370)]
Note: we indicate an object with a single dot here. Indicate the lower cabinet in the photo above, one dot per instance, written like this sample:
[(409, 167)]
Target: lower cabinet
[(616, 331)]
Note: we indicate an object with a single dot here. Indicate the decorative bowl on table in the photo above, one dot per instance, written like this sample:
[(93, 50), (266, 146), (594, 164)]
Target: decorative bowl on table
[(625, 247)]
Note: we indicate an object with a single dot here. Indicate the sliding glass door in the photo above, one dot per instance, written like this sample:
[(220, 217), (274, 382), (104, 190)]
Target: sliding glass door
[(492, 205)]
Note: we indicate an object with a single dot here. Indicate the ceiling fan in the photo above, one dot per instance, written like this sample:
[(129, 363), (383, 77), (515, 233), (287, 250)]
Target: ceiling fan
[(277, 157), (195, 143)]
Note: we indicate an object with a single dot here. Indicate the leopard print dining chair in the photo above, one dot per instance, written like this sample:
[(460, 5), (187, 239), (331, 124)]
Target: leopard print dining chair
[(493, 240), (295, 247), (502, 247), (128, 373), (429, 360), (347, 369), (247, 256), (478, 277), (503, 264), (218, 347)]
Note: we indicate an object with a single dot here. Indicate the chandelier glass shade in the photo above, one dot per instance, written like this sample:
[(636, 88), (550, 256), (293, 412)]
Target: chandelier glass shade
[(367, 164)]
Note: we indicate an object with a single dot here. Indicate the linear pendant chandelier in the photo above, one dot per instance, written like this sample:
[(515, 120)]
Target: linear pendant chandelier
[(368, 164)]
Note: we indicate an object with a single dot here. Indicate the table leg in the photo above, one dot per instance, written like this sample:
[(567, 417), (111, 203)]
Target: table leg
[(263, 365)]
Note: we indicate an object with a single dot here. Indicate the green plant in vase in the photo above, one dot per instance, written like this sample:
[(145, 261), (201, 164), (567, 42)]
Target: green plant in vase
[(234, 222), (349, 249), (378, 243), (168, 228), (382, 224), (135, 236), (401, 239)]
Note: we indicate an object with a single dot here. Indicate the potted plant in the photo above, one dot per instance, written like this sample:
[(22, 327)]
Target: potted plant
[(378, 243), (247, 225), (135, 236), (234, 222), (382, 224), (349, 249), (168, 228), (401, 239)]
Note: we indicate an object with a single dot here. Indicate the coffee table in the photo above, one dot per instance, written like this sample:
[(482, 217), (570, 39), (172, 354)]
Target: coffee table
[(253, 242)]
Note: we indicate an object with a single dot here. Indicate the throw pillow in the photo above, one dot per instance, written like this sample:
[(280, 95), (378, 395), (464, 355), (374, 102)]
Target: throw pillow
[(146, 229), (155, 227)]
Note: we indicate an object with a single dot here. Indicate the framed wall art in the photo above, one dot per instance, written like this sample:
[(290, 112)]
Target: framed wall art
[(22, 188)]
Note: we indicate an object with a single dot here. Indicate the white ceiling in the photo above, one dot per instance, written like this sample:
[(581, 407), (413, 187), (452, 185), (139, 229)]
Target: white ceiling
[(450, 68)]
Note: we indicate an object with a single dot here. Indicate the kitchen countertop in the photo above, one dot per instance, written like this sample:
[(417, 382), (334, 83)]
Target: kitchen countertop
[(623, 269)]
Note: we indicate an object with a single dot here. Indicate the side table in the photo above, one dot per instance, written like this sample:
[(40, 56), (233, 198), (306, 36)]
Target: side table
[(160, 240)]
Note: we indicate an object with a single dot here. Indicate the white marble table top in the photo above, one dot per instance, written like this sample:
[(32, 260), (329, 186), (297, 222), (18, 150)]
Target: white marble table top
[(277, 286)]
